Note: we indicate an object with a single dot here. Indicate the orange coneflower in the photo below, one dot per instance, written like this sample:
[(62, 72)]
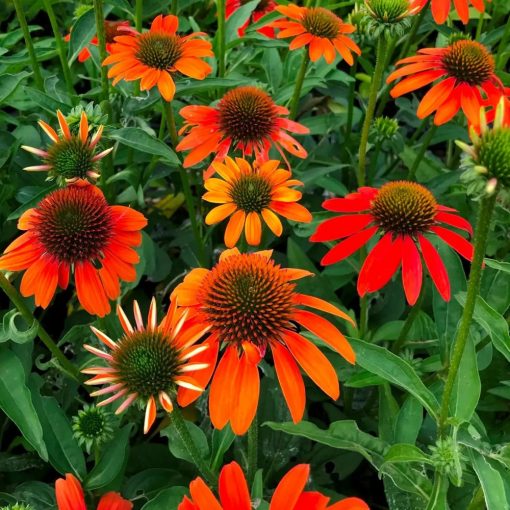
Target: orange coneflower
[(465, 69), (111, 28), (405, 213), (155, 56), (248, 193), (245, 117), (263, 7), (441, 8), (290, 493), (150, 362), (69, 495), (319, 28), (74, 229), (251, 304), (71, 156)]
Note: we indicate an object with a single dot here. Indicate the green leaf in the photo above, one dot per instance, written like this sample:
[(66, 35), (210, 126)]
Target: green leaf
[(45, 101), (169, 498), (31, 203), (406, 453), (16, 401), (64, 453), (409, 421), (238, 18), (490, 480), (390, 367), (220, 443), (82, 32), (177, 446), (140, 140), (9, 83), (10, 331), (113, 459), (500, 266)]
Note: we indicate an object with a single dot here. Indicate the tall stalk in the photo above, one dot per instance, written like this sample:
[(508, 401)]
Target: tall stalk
[(222, 16), (369, 115), (30, 44), (294, 103), (481, 235), (423, 149), (253, 437), (61, 47)]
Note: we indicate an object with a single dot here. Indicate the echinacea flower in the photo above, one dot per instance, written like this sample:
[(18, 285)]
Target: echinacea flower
[(92, 427), (488, 158), (246, 118), (406, 214), (319, 29), (73, 229), (465, 70), (111, 28), (248, 193), (70, 157), (149, 362), (389, 18), (154, 57), (441, 8), (261, 9), (290, 493), (69, 495), (250, 304)]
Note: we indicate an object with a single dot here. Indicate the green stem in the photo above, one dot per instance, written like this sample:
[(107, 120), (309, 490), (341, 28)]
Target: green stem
[(411, 317), (186, 188), (25, 312), (411, 176), (253, 437), (480, 243), (138, 15), (61, 47), (294, 103), (350, 103), (363, 302), (30, 44), (177, 421), (101, 37), (221, 37), (175, 7), (479, 27), (372, 99)]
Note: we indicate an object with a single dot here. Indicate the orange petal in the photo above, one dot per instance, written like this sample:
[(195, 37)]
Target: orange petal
[(233, 489), (290, 488)]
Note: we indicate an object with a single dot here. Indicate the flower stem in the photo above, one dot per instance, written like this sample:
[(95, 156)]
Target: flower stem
[(363, 302), (101, 37), (481, 235), (186, 188), (294, 103), (25, 312), (411, 317), (411, 176), (221, 37), (175, 7), (61, 48), (253, 438), (350, 103), (138, 15), (372, 99), (30, 44), (177, 421)]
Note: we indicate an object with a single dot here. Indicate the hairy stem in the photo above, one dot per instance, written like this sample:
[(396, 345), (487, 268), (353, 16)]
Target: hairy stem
[(294, 103), (253, 437)]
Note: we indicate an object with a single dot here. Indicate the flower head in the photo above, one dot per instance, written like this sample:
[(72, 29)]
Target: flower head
[(71, 156), (389, 16), (154, 57), (250, 304), (467, 77), (262, 8), (441, 8), (248, 193), (290, 493), (405, 213), (488, 159), (111, 28), (69, 494), (149, 362), (320, 29), (92, 426), (245, 117), (74, 229), (17, 506)]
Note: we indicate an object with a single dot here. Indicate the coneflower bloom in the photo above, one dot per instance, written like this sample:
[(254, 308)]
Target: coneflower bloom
[(290, 493), (70, 156), (246, 118), (73, 229), (154, 57), (69, 495), (318, 28), (149, 362), (111, 28), (250, 193), (406, 214), (466, 73), (441, 8), (250, 304), (263, 7)]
